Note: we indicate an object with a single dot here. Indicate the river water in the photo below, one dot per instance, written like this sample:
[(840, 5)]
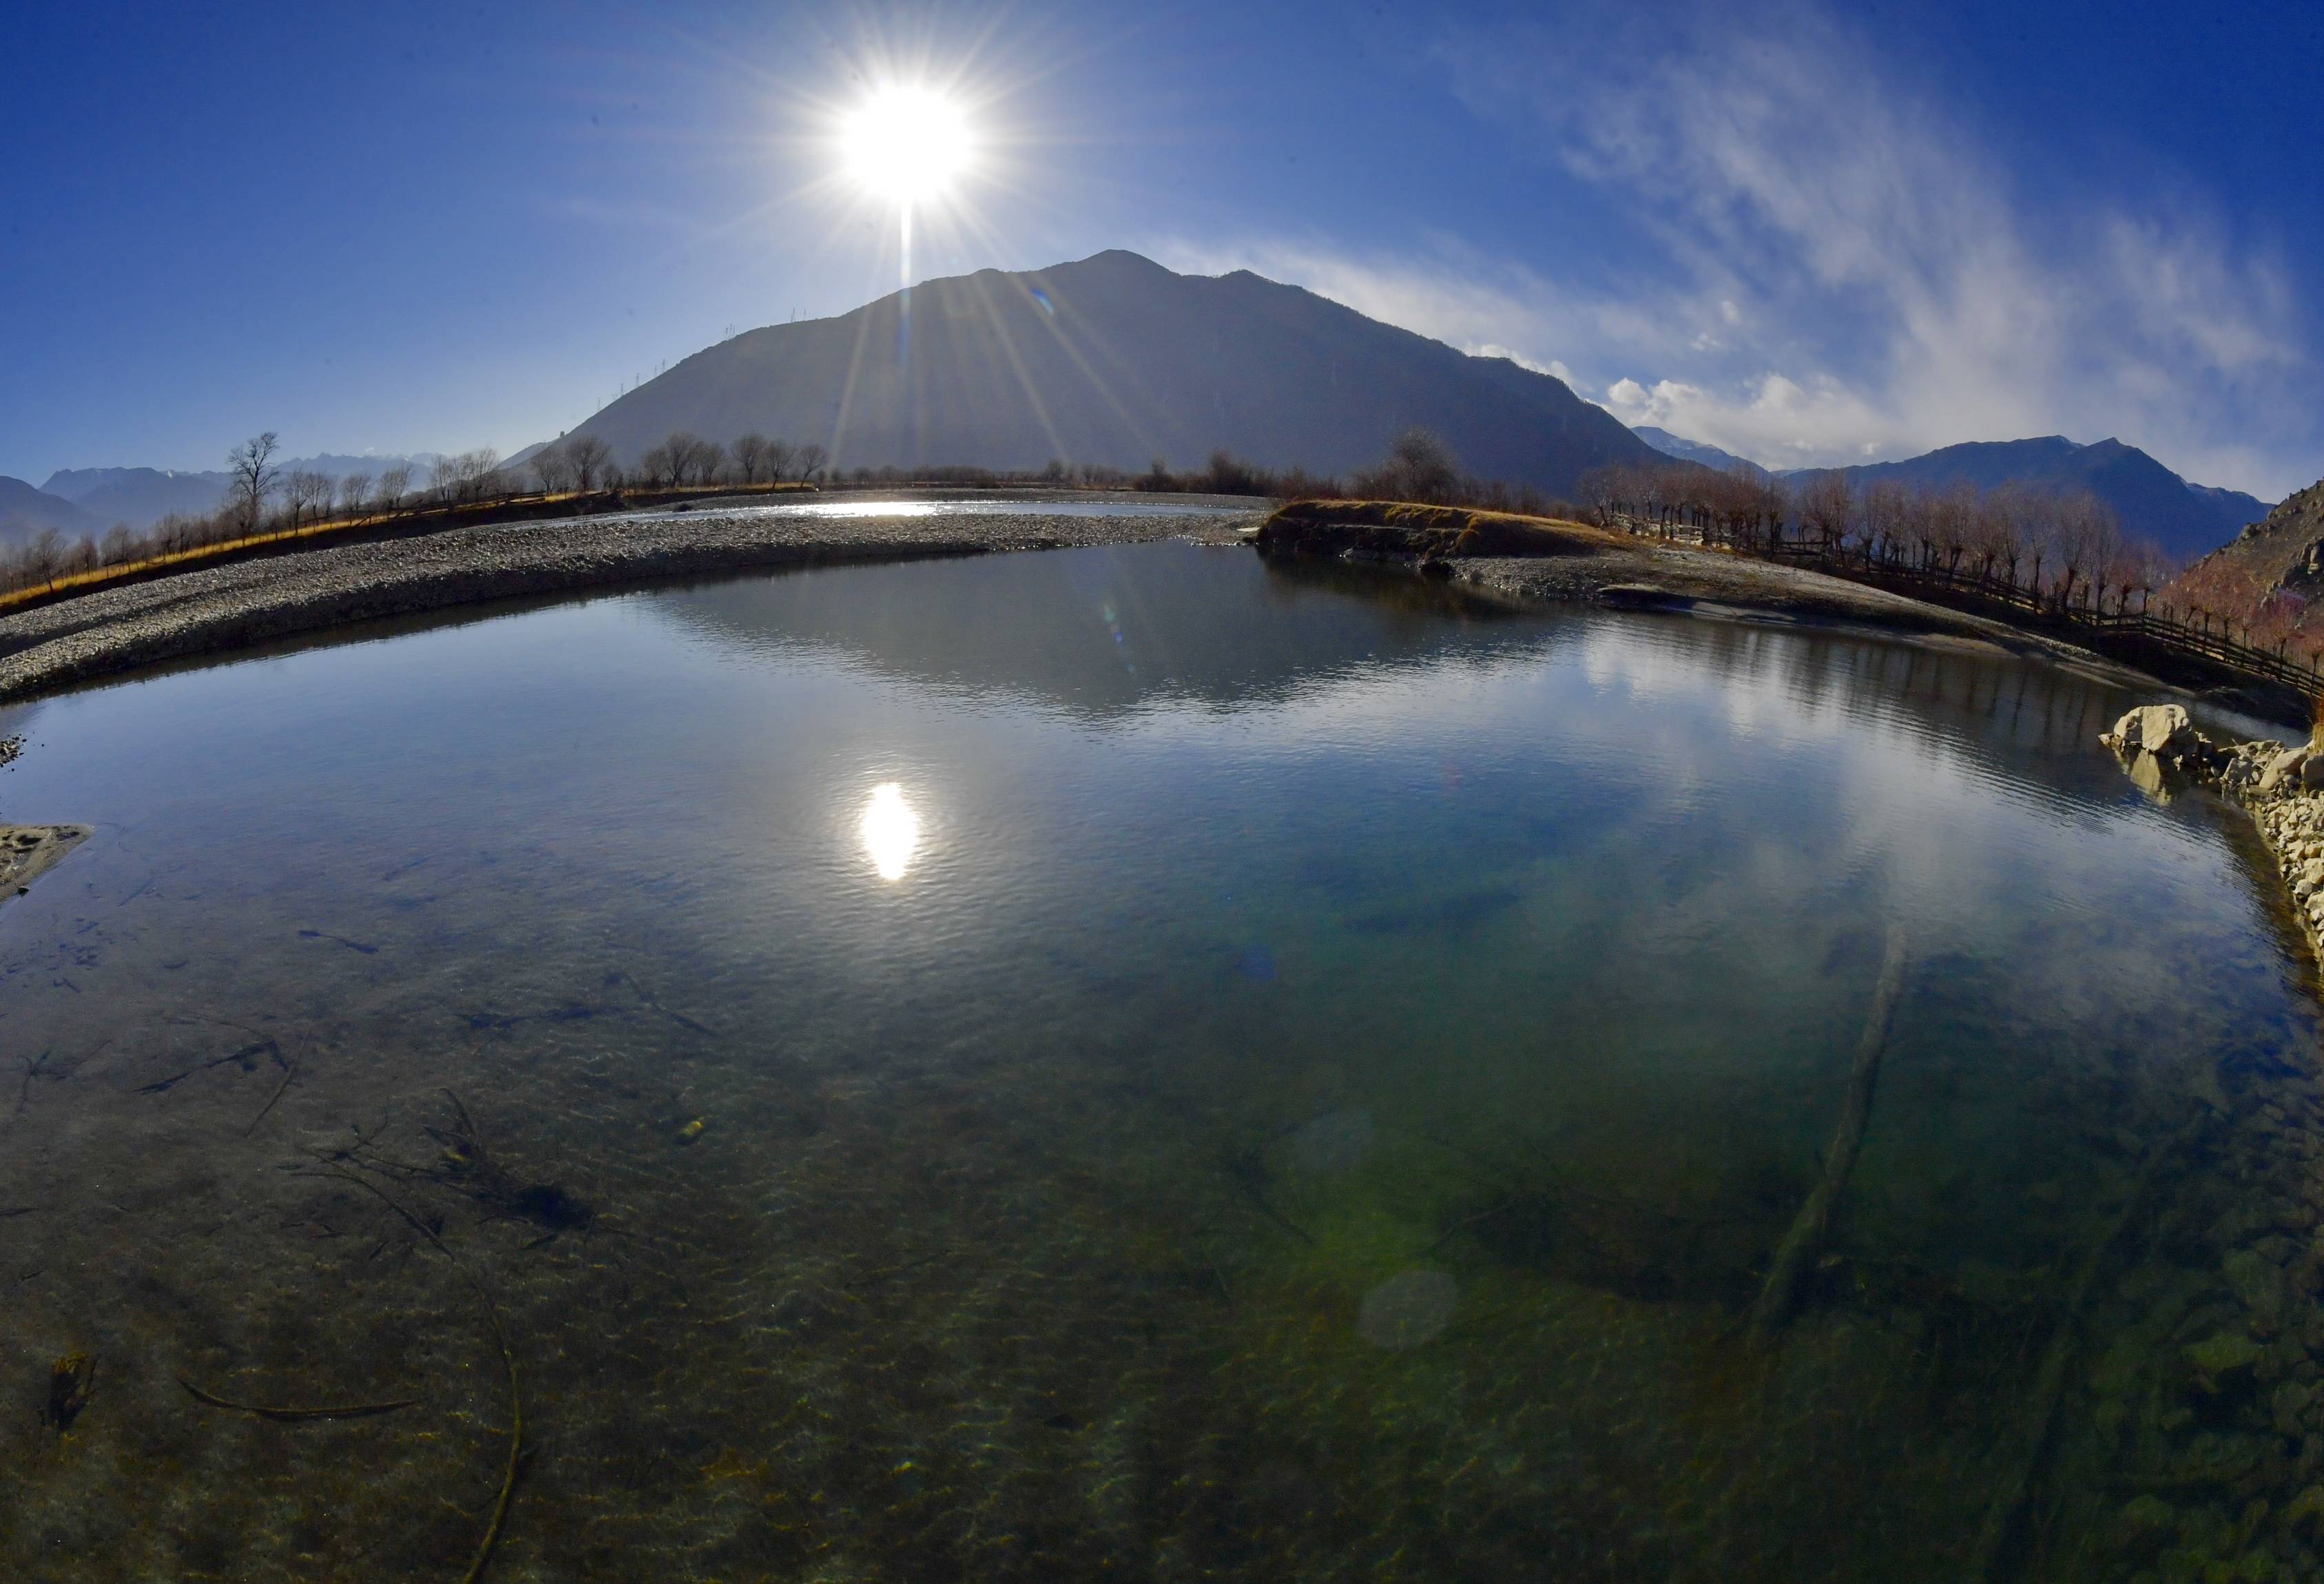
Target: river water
[(1130, 1060)]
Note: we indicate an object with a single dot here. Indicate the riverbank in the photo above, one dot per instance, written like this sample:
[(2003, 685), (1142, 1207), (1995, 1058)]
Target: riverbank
[(1532, 560), (232, 606), (1514, 561)]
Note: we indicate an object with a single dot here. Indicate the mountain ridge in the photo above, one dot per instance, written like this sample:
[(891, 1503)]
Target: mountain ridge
[(1685, 450), (26, 512), (2187, 519), (2282, 550), (143, 496), (1114, 360)]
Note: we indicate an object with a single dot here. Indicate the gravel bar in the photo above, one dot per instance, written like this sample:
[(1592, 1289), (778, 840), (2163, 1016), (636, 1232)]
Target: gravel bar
[(260, 600)]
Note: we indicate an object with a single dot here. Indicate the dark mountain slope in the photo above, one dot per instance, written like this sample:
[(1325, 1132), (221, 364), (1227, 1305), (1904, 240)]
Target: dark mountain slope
[(1117, 361), (2284, 549)]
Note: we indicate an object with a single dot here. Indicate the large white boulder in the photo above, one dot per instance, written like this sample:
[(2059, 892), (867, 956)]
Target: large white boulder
[(2155, 728)]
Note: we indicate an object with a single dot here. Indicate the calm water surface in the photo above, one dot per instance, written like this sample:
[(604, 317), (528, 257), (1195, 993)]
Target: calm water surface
[(1130, 1061)]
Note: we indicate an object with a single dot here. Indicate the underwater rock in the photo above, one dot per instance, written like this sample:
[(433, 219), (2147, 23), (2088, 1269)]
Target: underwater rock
[(1408, 1309), (2217, 1359), (71, 1379), (1333, 1142), (2143, 1527), (2258, 1285), (28, 851), (2305, 1510), (2289, 1405)]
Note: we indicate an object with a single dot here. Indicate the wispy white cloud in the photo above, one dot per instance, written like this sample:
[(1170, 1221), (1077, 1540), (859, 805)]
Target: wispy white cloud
[(1845, 267), (1448, 290)]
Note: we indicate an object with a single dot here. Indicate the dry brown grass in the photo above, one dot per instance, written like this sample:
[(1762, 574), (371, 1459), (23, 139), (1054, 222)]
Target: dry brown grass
[(1396, 527)]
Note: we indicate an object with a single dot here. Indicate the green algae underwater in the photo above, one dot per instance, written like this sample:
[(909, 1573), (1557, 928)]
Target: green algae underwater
[(1133, 1061)]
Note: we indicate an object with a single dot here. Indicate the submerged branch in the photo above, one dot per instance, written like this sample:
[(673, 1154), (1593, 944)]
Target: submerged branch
[(2057, 1360), (508, 1361), (296, 1415), (1797, 1252)]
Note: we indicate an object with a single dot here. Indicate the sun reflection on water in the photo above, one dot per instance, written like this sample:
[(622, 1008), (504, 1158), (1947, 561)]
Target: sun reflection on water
[(891, 831)]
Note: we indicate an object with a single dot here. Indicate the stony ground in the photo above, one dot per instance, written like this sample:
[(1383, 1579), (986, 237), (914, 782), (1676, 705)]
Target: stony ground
[(255, 602)]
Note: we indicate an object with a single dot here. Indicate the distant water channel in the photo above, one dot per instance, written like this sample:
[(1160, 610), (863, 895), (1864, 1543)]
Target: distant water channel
[(1130, 1062)]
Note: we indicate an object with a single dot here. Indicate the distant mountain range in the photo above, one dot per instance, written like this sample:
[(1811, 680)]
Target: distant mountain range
[(2153, 502), (1117, 361), (143, 496), (138, 496), (25, 512)]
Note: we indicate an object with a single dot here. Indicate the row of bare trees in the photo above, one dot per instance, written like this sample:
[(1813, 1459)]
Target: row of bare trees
[(682, 461), (262, 495), (2065, 546)]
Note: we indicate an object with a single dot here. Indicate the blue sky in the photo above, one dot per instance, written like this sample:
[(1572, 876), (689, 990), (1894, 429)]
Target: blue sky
[(1810, 233)]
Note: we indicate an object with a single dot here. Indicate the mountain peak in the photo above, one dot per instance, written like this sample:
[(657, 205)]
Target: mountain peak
[(2153, 502), (1115, 360)]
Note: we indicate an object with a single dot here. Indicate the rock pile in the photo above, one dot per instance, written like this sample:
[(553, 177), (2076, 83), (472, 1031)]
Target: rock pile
[(2214, 1395), (2283, 787)]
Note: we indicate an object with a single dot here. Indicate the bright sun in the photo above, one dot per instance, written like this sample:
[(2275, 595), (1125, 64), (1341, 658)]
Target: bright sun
[(907, 144)]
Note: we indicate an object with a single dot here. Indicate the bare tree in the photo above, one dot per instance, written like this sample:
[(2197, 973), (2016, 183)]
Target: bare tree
[(592, 459), (780, 453), (44, 558), (1826, 507), (811, 460), (683, 459), (120, 545), (2087, 542), (1419, 466), (706, 464), (750, 454), (251, 478), (1952, 524), (552, 465), (1881, 523), (355, 489), (657, 467), (395, 485), (469, 476), (307, 493)]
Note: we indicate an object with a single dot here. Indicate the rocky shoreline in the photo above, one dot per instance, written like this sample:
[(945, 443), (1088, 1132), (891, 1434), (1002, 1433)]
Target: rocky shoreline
[(2280, 787)]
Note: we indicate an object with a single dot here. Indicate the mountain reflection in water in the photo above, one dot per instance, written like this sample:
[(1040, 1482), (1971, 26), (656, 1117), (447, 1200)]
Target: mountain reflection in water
[(1313, 1095)]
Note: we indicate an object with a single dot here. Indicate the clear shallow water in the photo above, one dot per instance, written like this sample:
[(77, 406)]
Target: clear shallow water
[(1315, 1103)]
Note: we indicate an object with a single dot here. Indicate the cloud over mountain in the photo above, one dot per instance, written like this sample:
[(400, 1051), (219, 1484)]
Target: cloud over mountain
[(1826, 262)]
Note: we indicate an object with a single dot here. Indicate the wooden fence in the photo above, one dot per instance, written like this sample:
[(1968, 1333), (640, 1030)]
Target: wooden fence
[(2129, 629)]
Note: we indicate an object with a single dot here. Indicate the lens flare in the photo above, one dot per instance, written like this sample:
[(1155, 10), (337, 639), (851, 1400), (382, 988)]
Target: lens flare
[(907, 143)]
